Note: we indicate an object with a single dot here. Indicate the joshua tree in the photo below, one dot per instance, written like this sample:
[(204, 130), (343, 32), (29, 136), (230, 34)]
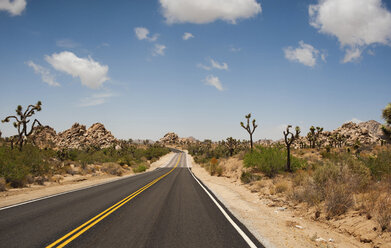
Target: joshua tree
[(248, 128), (231, 144), (21, 121), (318, 141), (340, 139), (289, 138), (311, 136), (387, 117)]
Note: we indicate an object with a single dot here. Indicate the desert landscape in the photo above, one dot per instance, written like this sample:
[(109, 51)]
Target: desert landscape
[(335, 192), (195, 124)]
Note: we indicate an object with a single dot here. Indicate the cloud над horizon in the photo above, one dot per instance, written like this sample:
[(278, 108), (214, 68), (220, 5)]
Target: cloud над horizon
[(91, 73)]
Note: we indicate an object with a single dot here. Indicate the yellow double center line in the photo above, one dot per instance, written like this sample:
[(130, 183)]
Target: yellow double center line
[(66, 239)]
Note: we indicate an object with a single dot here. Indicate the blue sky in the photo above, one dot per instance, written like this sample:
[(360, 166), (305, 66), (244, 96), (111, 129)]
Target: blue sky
[(304, 62)]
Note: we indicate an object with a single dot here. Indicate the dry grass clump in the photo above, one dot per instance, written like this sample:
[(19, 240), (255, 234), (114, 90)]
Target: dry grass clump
[(281, 186), (383, 212), (112, 168), (338, 199)]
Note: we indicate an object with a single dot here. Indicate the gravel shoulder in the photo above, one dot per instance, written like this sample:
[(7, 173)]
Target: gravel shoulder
[(69, 183)]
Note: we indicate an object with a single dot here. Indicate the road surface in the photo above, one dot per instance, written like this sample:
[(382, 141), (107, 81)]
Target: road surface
[(167, 207)]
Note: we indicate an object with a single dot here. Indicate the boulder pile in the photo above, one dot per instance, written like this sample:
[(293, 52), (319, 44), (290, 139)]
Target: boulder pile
[(365, 133), (174, 139), (77, 137)]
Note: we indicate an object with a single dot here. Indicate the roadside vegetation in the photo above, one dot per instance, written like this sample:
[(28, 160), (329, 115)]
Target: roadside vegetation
[(33, 165), (331, 179)]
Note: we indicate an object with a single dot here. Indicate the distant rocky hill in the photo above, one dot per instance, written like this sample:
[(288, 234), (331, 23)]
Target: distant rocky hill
[(366, 133), (77, 137), (174, 139)]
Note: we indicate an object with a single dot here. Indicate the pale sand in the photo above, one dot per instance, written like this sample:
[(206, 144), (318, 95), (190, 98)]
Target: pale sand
[(69, 183), (273, 226)]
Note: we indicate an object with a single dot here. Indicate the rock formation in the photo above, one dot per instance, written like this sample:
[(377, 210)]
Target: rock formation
[(173, 139), (77, 137), (364, 133)]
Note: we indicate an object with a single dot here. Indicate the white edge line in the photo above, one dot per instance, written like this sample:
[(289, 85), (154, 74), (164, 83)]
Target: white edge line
[(74, 190), (240, 231)]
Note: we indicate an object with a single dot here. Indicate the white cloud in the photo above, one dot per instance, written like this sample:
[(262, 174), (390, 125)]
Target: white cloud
[(235, 49), (158, 50), (305, 54), (355, 120), (206, 11), (352, 54), (47, 77), (187, 36), (213, 81), (205, 67), (14, 7), (67, 43), (213, 64), (217, 65), (91, 73), (355, 23), (143, 34), (95, 99)]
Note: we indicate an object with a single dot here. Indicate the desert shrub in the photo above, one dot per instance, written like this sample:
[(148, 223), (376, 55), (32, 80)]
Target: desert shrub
[(300, 178), (383, 212), (3, 184), (140, 168), (379, 165), (15, 165), (308, 192), (281, 187), (248, 177), (271, 160), (338, 199), (342, 170), (214, 168), (112, 169)]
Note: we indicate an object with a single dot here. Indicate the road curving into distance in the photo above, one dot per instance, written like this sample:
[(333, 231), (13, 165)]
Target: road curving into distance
[(167, 207)]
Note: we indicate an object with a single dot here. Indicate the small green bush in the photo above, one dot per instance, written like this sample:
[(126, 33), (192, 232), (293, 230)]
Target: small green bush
[(248, 177), (379, 165), (140, 168), (271, 160)]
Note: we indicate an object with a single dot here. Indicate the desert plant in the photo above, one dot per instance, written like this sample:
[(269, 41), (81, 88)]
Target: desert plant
[(386, 128), (311, 137), (270, 160), (21, 121), (112, 169), (318, 141), (231, 144), (2, 184), (248, 177), (339, 199), (289, 138), (383, 212), (248, 129)]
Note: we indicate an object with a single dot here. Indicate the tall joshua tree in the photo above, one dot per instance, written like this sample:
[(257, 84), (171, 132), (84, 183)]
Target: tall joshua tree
[(387, 117), (248, 129), (21, 122), (289, 138)]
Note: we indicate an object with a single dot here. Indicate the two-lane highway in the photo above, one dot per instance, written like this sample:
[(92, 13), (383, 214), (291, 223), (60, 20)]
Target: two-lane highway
[(167, 207)]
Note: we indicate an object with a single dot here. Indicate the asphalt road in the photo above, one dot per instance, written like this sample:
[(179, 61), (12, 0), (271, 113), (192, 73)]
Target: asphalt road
[(166, 207)]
